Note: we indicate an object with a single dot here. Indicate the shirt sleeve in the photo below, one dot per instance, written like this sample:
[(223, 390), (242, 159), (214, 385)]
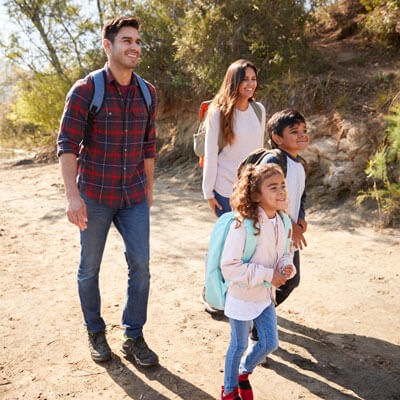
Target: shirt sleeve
[(302, 211), (211, 154), (232, 266), (149, 146), (74, 118)]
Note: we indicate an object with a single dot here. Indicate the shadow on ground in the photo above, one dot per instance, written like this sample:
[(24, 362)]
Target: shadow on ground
[(365, 366)]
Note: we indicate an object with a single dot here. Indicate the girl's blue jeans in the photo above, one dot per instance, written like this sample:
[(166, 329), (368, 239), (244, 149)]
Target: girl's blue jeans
[(133, 225), (268, 341)]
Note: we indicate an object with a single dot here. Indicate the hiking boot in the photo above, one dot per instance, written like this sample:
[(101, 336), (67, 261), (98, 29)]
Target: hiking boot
[(207, 307), (245, 390), (230, 396), (141, 353), (99, 348)]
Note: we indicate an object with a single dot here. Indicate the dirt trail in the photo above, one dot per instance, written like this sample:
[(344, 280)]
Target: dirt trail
[(339, 331)]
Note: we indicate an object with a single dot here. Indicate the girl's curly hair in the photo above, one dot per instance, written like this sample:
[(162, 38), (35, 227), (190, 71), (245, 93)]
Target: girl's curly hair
[(250, 181)]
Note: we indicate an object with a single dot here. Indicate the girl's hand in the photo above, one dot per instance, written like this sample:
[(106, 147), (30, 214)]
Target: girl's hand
[(287, 271), (278, 279), (213, 203)]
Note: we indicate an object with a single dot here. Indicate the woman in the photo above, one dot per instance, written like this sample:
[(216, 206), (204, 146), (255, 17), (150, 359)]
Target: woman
[(235, 127)]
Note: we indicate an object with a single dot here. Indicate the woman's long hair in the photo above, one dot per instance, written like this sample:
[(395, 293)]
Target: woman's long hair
[(228, 94), (243, 200)]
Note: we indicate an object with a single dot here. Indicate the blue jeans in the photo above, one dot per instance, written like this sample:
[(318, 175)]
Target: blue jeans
[(224, 202), (133, 225), (268, 341)]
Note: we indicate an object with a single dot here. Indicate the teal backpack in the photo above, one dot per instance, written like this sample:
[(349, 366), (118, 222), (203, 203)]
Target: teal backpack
[(216, 286)]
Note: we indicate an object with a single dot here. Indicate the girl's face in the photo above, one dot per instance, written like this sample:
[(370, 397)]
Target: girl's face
[(273, 195), (248, 85)]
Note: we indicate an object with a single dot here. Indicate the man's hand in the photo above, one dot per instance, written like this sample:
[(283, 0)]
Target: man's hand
[(298, 238), (76, 212), (278, 279), (213, 203)]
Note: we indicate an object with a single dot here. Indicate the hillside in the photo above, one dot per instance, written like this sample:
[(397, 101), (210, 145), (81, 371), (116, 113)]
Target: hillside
[(344, 104)]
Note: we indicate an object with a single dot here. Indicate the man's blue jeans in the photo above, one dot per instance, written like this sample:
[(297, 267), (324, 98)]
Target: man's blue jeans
[(133, 225), (268, 341)]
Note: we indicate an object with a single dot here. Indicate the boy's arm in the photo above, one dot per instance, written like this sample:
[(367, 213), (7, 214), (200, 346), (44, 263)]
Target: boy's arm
[(301, 219), (298, 237)]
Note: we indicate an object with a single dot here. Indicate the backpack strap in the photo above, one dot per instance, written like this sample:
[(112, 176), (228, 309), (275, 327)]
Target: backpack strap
[(287, 223), (144, 90), (257, 109), (99, 80), (251, 240), (281, 158)]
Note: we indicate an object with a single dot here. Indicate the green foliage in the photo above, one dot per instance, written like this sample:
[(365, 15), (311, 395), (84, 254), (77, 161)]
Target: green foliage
[(186, 46), (384, 170), (40, 102), (214, 34), (382, 20)]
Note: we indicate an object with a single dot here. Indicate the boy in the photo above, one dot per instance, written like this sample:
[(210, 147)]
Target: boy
[(288, 132)]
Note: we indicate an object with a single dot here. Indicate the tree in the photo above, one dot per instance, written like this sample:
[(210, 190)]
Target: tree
[(214, 34)]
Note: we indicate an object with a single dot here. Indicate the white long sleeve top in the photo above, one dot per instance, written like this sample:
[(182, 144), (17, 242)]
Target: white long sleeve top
[(220, 168), (268, 255)]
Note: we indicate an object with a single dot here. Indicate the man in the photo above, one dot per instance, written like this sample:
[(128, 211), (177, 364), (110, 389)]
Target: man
[(110, 179)]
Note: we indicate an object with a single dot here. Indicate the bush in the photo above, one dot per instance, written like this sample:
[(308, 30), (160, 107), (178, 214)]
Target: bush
[(384, 170), (214, 34), (382, 20)]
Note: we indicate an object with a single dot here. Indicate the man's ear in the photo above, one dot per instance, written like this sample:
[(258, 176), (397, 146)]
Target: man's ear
[(277, 139), (107, 46)]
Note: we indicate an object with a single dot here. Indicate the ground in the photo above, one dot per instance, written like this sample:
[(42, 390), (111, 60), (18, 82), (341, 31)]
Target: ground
[(339, 331)]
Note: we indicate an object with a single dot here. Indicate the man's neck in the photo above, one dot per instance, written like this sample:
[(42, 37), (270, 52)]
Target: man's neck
[(122, 75)]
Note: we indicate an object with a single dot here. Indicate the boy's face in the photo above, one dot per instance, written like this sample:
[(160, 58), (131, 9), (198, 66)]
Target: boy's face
[(294, 139)]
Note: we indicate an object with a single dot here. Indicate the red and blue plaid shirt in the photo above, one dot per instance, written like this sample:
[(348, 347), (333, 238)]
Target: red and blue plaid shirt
[(111, 166)]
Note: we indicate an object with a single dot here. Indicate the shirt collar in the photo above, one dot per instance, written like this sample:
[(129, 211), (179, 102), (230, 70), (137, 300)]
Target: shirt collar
[(263, 217), (110, 77), (291, 157)]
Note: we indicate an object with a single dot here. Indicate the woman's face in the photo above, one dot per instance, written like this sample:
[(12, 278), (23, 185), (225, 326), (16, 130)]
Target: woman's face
[(248, 85)]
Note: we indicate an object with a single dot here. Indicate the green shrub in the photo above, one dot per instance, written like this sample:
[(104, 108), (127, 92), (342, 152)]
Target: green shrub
[(384, 170)]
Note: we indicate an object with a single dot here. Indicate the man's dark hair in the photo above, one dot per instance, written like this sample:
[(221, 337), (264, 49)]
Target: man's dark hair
[(113, 26), (280, 120)]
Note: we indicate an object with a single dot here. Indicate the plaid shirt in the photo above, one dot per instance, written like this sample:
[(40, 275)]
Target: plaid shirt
[(111, 166)]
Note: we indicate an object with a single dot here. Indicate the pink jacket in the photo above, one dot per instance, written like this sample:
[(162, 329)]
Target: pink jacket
[(268, 255)]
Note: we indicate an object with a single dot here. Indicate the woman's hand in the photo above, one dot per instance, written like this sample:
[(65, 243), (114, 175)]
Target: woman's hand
[(213, 203)]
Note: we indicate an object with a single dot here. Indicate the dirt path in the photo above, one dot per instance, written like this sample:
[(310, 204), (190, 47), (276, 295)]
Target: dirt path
[(339, 331)]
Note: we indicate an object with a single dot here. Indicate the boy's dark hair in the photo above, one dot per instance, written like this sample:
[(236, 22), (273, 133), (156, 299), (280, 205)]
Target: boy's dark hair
[(280, 120), (113, 26)]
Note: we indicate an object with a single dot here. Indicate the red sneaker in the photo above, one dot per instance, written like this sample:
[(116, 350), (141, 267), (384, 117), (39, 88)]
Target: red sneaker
[(230, 396), (245, 390)]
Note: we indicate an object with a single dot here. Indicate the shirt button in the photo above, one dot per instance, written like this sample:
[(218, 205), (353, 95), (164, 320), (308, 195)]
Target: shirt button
[(125, 149), (124, 168)]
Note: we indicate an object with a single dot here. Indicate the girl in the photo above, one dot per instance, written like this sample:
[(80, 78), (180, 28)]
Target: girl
[(232, 117), (259, 194)]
